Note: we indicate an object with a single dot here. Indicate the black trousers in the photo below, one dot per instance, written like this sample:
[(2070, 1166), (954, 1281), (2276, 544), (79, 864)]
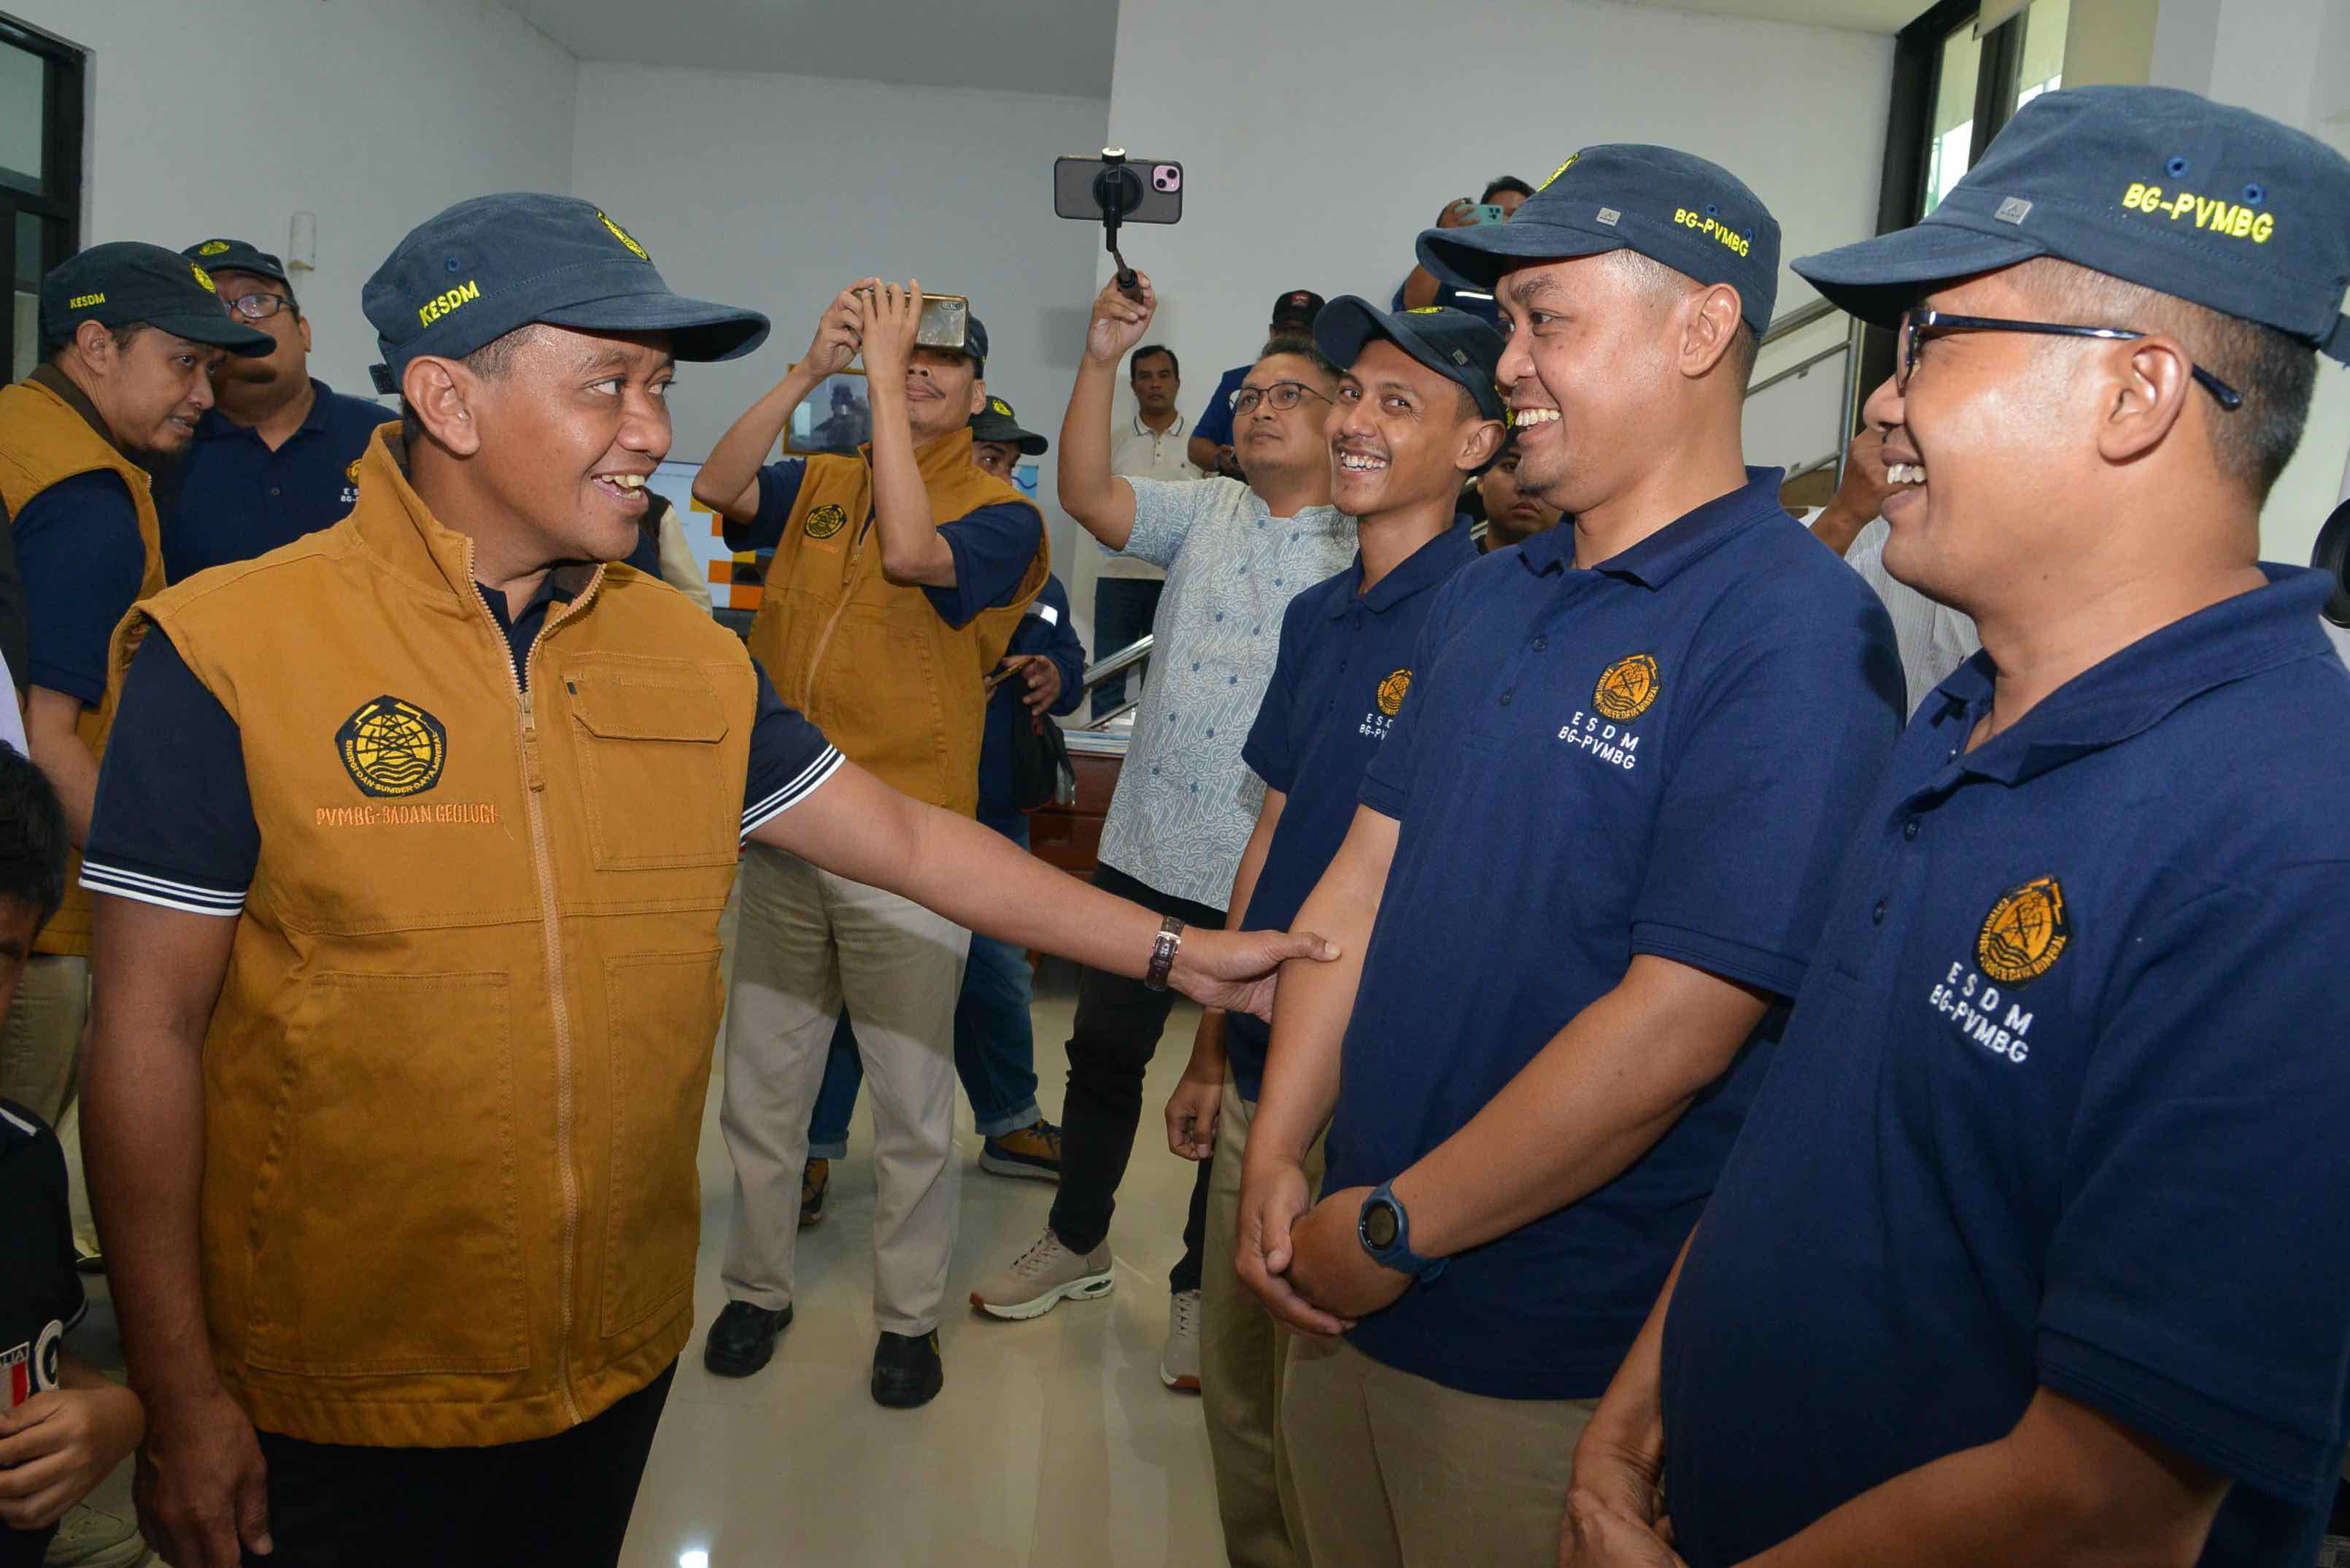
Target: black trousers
[(1116, 1033), (565, 1498)]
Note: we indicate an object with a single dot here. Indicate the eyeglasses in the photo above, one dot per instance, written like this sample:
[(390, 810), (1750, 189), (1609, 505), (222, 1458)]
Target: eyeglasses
[(259, 307), (1281, 395), (1918, 326)]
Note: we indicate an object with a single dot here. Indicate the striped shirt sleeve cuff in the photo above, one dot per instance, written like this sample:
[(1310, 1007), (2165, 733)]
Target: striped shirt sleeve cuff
[(802, 784), (183, 896)]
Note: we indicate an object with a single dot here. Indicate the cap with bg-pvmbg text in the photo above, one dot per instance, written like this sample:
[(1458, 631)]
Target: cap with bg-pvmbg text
[(1454, 344), (2215, 206), (125, 283), (1695, 217), (998, 422), (483, 268), (236, 256)]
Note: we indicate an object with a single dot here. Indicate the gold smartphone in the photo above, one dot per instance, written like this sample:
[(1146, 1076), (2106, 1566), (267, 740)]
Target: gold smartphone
[(945, 322)]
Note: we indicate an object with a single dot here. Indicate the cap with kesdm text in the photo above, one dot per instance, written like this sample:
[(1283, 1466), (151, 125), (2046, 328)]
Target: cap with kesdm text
[(127, 283)]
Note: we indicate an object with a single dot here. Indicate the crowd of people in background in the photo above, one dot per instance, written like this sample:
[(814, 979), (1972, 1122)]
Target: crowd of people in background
[(1725, 1038)]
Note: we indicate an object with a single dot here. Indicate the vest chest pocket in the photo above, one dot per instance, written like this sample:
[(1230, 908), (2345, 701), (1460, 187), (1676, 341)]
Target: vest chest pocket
[(652, 769)]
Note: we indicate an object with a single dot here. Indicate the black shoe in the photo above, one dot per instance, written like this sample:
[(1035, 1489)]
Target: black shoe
[(906, 1372), (743, 1340)]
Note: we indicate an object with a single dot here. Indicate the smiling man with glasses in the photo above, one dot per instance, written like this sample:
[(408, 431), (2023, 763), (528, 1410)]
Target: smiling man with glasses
[(273, 458)]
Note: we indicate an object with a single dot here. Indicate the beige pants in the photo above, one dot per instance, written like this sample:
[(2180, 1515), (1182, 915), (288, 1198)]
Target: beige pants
[(41, 1041), (808, 941), (1394, 1471), (1242, 1352)]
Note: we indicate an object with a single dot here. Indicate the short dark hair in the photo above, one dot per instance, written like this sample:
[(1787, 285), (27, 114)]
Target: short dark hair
[(1134, 361), (491, 361), (31, 837), (1502, 183), (1298, 343), (2276, 373), (1668, 284), (54, 348)]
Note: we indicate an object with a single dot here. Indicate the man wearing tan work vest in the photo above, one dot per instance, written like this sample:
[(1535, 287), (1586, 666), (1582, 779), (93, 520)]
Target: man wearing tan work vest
[(419, 829), (131, 335), (899, 577)]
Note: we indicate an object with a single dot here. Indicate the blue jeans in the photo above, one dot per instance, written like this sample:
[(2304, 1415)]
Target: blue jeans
[(995, 1049), (1124, 609)]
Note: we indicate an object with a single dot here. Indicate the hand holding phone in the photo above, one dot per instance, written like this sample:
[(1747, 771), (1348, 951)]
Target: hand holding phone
[(1119, 320), (892, 318), (839, 331)]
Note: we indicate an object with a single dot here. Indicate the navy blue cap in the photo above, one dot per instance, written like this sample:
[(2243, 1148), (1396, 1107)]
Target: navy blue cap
[(236, 256), (997, 422), (1695, 217), (125, 283), (2215, 206), (1458, 346), (483, 268), (975, 344)]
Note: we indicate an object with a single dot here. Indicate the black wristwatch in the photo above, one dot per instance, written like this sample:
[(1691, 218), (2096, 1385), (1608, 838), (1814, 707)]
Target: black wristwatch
[(1385, 1231)]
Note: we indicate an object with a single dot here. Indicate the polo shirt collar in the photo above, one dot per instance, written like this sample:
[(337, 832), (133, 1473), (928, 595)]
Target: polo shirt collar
[(1434, 561), (2137, 688), (1673, 548), (1172, 430)]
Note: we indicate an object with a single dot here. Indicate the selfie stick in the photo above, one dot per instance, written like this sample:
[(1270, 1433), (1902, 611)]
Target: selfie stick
[(1119, 191)]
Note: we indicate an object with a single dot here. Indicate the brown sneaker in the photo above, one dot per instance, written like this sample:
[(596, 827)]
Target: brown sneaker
[(814, 1177), (1033, 1151)]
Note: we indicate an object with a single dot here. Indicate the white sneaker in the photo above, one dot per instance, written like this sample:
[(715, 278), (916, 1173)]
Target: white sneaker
[(95, 1538), (1179, 1364), (1042, 1277)]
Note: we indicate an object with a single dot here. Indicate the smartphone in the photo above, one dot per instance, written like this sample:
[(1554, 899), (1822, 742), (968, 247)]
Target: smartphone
[(1150, 190), (945, 321), (1491, 212)]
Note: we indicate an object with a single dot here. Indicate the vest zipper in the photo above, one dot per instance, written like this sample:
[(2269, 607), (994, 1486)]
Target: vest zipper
[(551, 929)]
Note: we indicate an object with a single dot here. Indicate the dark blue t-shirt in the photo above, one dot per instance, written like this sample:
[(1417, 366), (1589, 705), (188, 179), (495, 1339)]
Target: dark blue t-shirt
[(233, 498), (2062, 1103), (991, 545), (1663, 754), (1044, 630), (1344, 669), (78, 551), (1215, 421), (173, 823), (40, 1293)]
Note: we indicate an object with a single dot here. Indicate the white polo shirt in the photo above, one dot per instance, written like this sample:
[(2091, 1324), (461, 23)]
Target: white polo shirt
[(1138, 451)]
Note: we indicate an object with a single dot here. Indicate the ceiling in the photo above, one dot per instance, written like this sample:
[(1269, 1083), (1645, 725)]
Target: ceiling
[(1027, 46), (1866, 15)]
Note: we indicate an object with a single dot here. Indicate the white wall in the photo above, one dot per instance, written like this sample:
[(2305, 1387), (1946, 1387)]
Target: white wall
[(1319, 137), (774, 192), (372, 116)]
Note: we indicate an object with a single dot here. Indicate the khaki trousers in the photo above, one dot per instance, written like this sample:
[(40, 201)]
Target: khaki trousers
[(1394, 1471), (41, 1041), (1242, 1352), (806, 943)]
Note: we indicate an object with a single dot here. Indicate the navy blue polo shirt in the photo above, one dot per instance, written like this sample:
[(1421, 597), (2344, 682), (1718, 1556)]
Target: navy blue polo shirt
[(173, 823), (79, 554), (1216, 421), (1344, 669), (233, 498), (1663, 754), (993, 545), (2062, 1103), (40, 1293), (1044, 630)]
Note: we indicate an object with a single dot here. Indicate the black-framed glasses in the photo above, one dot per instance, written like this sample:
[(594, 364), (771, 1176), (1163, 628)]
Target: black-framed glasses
[(1281, 395), (1918, 326), (259, 307)]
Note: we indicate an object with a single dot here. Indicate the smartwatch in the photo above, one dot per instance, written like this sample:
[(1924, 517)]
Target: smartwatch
[(1385, 1231)]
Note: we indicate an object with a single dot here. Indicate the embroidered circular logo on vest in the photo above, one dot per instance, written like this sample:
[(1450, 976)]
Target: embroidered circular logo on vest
[(1391, 692), (2025, 934), (1627, 687), (826, 520), (392, 748)]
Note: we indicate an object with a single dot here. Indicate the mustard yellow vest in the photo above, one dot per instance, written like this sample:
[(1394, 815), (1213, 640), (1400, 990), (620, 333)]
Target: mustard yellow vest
[(43, 441), (898, 691), (453, 1083)]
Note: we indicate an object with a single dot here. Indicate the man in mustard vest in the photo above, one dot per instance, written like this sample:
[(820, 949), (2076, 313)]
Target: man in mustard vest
[(417, 830), (899, 577), (129, 337)]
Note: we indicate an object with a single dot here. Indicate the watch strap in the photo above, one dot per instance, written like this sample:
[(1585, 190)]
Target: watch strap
[(1397, 1254), (1163, 948)]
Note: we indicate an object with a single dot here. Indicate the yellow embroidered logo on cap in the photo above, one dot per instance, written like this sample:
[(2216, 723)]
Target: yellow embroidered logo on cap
[(2025, 934), (1000, 406), (623, 235), (212, 247), (1392, 692), (2211, 214), (441, 305), (1627, 688), (84, 301), (203, 278), (1424, 310), (1554, 173), (826, 520)]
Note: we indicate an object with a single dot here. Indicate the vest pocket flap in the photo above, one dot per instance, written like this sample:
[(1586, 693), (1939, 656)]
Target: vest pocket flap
[(621, 710)]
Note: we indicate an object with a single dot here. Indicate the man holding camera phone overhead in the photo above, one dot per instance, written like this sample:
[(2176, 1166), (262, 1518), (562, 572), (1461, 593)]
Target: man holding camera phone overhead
[(899, 577)]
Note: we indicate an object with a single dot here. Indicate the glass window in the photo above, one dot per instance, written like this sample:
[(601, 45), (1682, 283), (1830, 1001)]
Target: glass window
[(24, 106), (1954, 128), (2043, 49)]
